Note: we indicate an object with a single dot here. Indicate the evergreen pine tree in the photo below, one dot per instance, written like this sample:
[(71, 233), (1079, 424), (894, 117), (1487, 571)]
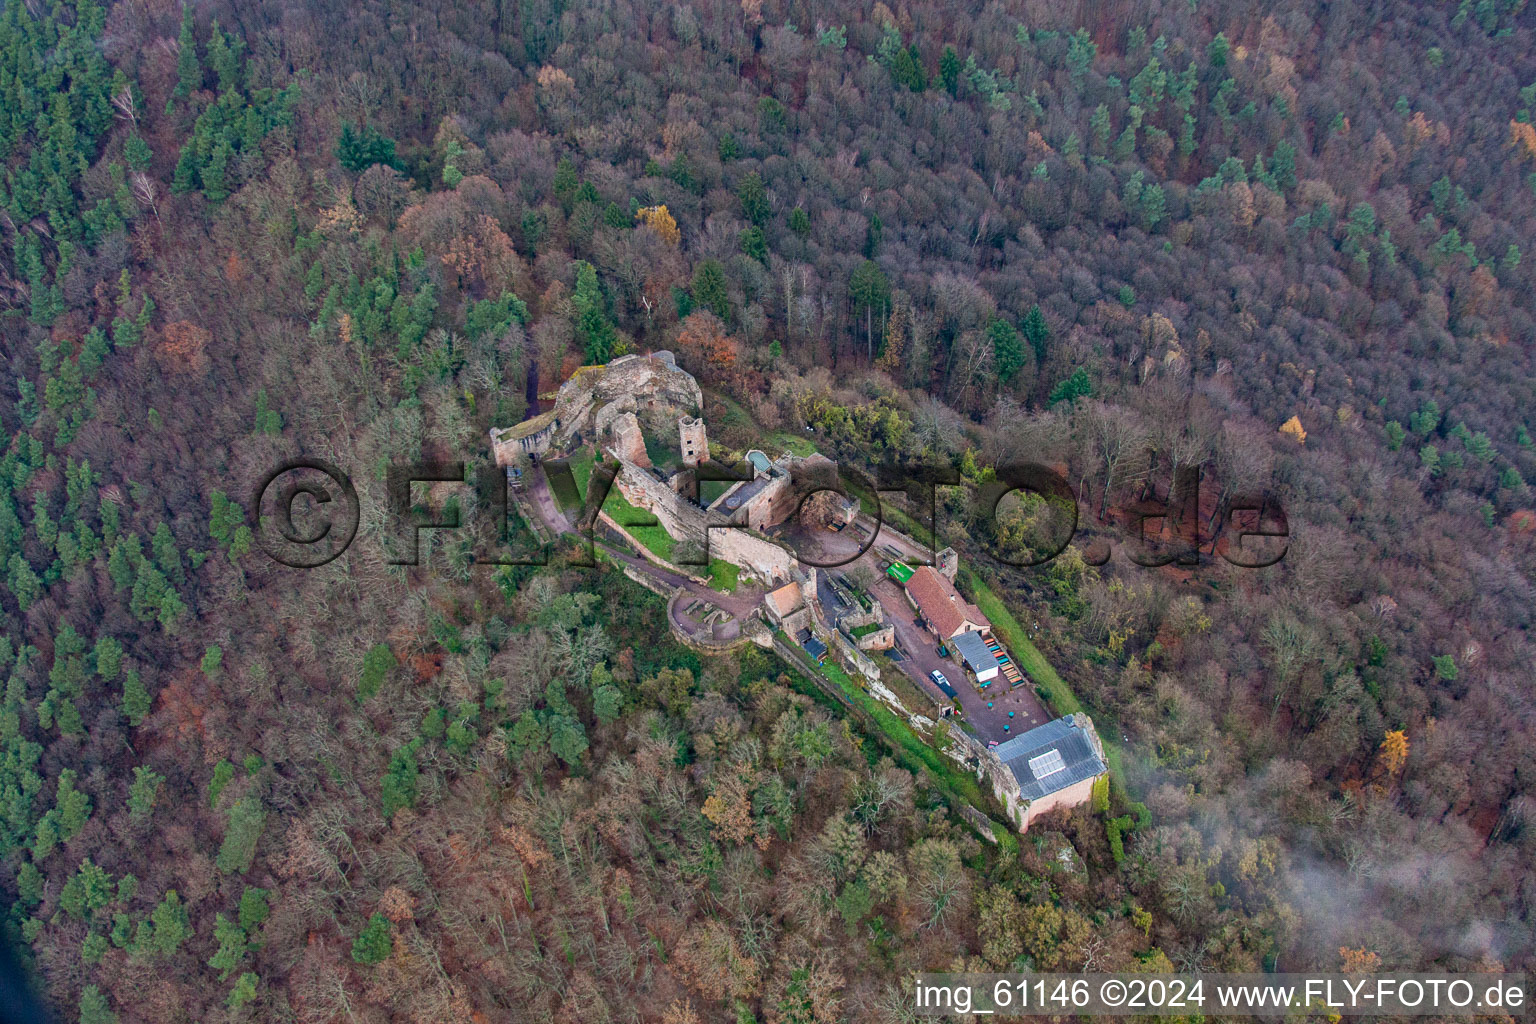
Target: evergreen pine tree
[(1036, 331), (189, 70), (949, 69)]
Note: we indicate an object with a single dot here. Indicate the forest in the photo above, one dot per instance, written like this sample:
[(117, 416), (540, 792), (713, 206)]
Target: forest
[(1280, 243)]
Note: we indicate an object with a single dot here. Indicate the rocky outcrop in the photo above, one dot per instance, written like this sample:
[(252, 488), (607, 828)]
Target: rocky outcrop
[(652, 387)]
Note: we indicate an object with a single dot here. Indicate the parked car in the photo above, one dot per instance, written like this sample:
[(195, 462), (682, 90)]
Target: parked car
[(942, 651), (943, 684)]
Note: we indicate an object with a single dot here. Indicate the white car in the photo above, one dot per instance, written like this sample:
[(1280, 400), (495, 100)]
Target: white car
[(938, 677)]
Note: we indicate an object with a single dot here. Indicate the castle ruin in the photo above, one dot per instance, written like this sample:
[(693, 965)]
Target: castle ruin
[(692, 440), (618, 406)]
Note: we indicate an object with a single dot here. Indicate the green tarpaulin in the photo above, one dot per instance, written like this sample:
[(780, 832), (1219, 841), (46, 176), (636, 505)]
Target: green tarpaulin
[(900, 572)]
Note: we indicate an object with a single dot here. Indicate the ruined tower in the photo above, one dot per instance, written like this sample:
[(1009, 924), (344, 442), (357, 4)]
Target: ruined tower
[(691, 440)]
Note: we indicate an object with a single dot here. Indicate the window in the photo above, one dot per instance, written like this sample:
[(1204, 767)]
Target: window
[(1048, 763)]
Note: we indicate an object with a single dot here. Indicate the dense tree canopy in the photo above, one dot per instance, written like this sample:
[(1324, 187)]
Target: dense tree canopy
[(1118, 240)]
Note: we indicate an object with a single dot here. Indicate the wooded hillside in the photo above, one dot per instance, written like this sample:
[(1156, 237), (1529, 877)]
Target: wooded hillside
[(1120, 238)]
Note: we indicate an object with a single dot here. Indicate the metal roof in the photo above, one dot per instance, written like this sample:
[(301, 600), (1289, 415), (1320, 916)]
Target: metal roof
[(1076, 746), (899, 571), (974, 650)]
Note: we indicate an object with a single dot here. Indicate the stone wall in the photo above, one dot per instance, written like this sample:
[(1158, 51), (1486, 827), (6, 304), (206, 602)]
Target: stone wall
[(655, 586), (880, 640), (628, 440), (652, 387), (855, 657), (692, 440), (750, 551), (685, 521), (793, 478), (796, 620), (1005, 786), (678, 517), (1079, 792), (514, 446), (853, 620)]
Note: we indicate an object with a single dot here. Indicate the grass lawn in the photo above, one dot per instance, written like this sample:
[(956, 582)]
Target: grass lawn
[(710, 491), (1060, 696), (734, 419), (656, 540), (723, 575), (567, 497), (581, 468), (776, 442), (731, 413), (862, 631), (660, 453), (911, 748)]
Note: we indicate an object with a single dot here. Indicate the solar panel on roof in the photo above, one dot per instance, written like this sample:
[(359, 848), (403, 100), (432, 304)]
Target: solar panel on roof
[(1048, 763)]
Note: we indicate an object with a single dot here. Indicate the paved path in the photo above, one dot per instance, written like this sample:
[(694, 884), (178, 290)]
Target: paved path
[(544, 502), (739, 604), (919, 646), (990, 723)]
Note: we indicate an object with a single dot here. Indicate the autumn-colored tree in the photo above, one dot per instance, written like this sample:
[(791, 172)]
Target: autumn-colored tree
[(703, 343), (554, 80), (1393, 754), (894, 344), (461, 228), (482, 256), (660, 221), (729, 809), (711, 960), (680, 1011), (1523, 134), (807, 992), (1000, 927), (397, 904), (1358, 961), (184, 345)]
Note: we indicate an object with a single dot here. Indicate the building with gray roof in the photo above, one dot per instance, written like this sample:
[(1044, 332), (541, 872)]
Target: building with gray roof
[(1051, 766), (976, 655)]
